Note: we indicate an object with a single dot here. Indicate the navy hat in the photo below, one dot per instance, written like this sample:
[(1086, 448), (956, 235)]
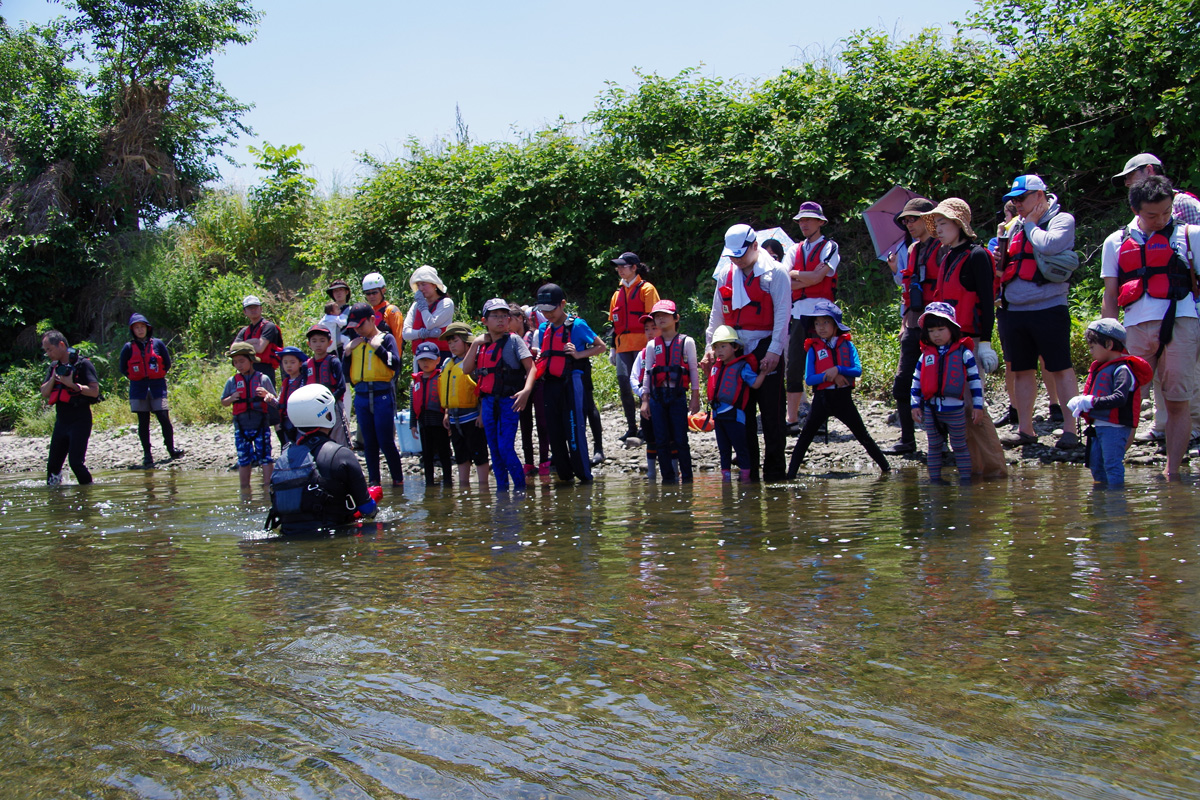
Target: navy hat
[(627, 260), (143, 320), (427, 350), (291, 351), (358, 313), (550, 296), (825, 308)]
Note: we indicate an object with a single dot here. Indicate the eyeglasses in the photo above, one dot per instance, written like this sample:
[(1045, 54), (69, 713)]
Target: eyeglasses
[(373, 291)]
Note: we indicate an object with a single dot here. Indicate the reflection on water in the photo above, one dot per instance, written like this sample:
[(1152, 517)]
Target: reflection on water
[(850, 638)]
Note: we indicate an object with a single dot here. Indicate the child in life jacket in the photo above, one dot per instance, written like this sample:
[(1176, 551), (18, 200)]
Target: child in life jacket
[(427, 414), (503, 368), (325, 368), (945, 377), (730, 380), (670, 389), (637, 373), (250, 395), (518, 325), (291, 362), (460, 400), (831, 366), (144, 361), (1111, 400)]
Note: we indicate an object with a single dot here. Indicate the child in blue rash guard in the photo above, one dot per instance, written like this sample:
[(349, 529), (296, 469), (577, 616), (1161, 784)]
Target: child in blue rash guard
[(562, 341), (831, 366), (729, 382), (945, 376), (670, 389), (503, 369), (1111, 400)]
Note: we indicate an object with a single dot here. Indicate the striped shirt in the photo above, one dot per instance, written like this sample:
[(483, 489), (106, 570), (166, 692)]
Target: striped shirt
[(938, 403)]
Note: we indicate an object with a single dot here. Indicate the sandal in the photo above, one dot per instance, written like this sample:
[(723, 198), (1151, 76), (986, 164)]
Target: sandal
[(1019, 439)]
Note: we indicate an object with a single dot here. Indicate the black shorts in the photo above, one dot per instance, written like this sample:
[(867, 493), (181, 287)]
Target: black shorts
[(1026, 335), (469, 442)]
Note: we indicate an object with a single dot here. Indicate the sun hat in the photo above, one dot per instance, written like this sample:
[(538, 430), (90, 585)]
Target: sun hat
[(943, 311), (338, 284), (457, 329), (952, 208), (724, 333), (665, 307), (738, 240), (250, 300), (357, 314), (1136, 163), (243, 349), (1025, 183), (1109, 328), (426, 274), (495, 304), (811, 210), (824, 308)]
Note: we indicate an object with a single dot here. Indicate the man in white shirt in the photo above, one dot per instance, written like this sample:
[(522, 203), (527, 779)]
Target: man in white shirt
[(754, 297), (1149, 268)]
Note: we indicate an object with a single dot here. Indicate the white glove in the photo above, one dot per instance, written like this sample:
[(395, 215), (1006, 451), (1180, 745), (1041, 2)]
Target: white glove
[(987, 357), (1080, 404)]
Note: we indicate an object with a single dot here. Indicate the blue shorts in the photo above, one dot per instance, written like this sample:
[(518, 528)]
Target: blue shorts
[(253, 446)]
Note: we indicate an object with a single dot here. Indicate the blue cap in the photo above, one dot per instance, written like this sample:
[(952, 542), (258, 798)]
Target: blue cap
[(826, 308), (1025, 183), (292, 351), (428, 350)]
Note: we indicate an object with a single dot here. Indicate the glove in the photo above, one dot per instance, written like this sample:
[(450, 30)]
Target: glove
[(987, 357), (375, 493), (1080, 404)]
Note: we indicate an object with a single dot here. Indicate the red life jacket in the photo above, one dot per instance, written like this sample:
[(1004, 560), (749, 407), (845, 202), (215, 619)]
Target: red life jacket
[(1100, 383), (725, 383), (827, 286), (144, 362), (945, 374), (287, 385), (60, 393), (425, 393), (558, 363), (669, 364), (926, 281), (267, 356), (630, 308), (757, 315), (320, 372), (419, 319), (824, 356), (1153, 268), (950, 290), (494, 376), (248, 388), (1021, 262)]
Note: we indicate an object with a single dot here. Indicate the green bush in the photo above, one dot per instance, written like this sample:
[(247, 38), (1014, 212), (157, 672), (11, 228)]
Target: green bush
[(218, 313)]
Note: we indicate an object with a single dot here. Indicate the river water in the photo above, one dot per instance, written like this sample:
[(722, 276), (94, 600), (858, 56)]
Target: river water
[(858, 637)]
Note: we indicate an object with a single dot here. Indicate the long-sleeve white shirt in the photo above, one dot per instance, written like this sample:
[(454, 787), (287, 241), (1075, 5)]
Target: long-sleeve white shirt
[(774, 278)]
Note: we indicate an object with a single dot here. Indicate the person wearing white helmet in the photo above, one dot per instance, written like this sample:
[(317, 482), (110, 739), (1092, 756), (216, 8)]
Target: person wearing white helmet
[(317, 484), (431, 311), (387, 317)]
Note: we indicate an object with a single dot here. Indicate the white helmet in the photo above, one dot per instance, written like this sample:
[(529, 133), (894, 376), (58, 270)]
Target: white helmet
[(373, 281), (312, 406)]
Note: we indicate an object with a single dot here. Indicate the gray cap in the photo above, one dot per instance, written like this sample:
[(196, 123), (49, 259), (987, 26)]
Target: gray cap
[(1109, 328), (1135, 163), (427, 350)]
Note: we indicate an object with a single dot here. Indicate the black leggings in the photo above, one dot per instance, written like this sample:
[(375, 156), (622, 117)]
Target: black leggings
[(164, 421), (69, 443), (839, 403), (435, 444)]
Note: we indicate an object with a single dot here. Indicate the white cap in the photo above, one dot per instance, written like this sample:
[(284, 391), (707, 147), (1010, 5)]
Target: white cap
[(250, 300), (738, 240)]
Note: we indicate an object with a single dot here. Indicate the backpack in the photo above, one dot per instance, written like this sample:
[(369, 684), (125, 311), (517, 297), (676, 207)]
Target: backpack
[(296, 486)]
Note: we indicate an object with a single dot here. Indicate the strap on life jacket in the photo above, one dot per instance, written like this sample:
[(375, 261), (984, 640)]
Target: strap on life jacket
[(144, 361), (554, 354), (669, 366)]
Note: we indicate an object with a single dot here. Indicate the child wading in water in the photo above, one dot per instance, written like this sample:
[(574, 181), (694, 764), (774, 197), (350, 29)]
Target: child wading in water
[(945, 376), (1111, 400), (671, 376), (729, 383), (830, 366)]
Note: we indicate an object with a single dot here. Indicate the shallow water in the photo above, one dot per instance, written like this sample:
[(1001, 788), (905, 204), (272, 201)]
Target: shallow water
[(857, 637)]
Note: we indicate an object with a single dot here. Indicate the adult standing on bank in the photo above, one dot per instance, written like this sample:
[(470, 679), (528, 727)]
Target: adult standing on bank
[(261, 334), (754, 297), (387, 317), (431, 311), (632, 300), (71, 387), (812, 266), (1149, 269), (144, 361), (1034, 320)]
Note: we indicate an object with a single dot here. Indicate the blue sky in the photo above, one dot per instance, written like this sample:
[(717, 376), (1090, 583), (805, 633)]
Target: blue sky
[(366, 76)]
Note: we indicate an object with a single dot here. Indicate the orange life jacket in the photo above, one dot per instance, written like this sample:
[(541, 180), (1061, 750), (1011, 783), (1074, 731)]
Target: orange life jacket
[(629, 310)]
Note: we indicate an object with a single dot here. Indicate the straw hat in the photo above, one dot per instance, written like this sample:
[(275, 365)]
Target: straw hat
[(952, 208)]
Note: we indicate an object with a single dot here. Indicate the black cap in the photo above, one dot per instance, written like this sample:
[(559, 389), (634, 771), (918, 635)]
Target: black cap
[(359, 312), (627, 259), (550, 296)]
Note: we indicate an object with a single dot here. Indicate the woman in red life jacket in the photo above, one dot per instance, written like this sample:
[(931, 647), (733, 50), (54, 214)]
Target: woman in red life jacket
[(144, 361), (428, 420), (1111, 400), (71, 387), (730, 380), (632, 300), (431, 311), (945, 377), (966, 276), (831, 367)]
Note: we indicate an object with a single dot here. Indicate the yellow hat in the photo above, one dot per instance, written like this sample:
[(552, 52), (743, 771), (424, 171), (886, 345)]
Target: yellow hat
[(724, 333)]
